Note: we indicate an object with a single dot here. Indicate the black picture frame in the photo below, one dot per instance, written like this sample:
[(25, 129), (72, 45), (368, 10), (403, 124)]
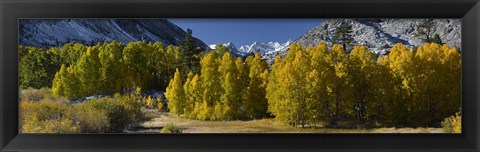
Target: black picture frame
[(467, 10)]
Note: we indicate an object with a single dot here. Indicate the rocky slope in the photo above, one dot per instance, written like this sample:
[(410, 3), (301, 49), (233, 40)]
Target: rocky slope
[(376, 34), (56, 32)]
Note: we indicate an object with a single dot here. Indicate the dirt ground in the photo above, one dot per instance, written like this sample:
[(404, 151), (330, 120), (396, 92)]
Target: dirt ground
[(159, 119)]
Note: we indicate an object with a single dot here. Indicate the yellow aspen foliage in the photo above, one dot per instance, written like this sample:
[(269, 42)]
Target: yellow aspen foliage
[(319, 82), (57, 86), (273, 92), (160, 105), (175, 94), (205, 112), (338, 89), (308, 86), (437, 67), (243, 81), (288, 97), (88, 70), (196, 96), (110, 55), (457, 123), (255, 103), (361, 72), (210, 79), (420, 77), (281, 105), (231, 98), (453, 124), (134, 58), (189, 102), (383, 96), (299, 91), (66, 83), (149, 102)]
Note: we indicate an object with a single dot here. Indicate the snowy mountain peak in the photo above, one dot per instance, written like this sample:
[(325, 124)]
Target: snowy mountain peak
[(212, 46), (288, 42), (266, 50), (229, 45)]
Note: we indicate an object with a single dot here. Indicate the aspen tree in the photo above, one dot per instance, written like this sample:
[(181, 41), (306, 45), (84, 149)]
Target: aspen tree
[(175, 94)]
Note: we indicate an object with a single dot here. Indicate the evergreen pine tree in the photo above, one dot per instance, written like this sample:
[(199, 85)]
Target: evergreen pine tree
[(190, 54), (425, 31), (437, 39), (343, 35)]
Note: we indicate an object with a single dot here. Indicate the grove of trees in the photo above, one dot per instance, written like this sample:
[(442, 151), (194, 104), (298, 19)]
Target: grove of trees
[(405, 88), (321, 85), (225, 89), (316, 85), (76, 70), (113, 67)]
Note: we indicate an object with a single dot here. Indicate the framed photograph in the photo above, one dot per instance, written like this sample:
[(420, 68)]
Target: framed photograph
[(229, 75)]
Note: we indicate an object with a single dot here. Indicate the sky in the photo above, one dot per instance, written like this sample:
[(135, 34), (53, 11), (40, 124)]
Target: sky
[(246, 31)]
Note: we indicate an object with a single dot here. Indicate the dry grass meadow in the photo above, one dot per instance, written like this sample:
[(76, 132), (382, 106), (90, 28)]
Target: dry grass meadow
[(159, 119)]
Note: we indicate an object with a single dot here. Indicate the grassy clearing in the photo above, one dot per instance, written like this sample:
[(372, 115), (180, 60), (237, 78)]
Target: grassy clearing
[(160, 119)]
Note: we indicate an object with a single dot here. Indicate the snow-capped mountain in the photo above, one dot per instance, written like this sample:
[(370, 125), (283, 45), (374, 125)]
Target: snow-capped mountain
[(377, 34), (266, 50), (380, 34), (56, 32), (229, 45)]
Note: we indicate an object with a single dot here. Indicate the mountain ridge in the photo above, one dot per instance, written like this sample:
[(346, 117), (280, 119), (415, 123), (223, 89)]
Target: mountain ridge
[(378, 33), (267, 50), (57, 32)]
